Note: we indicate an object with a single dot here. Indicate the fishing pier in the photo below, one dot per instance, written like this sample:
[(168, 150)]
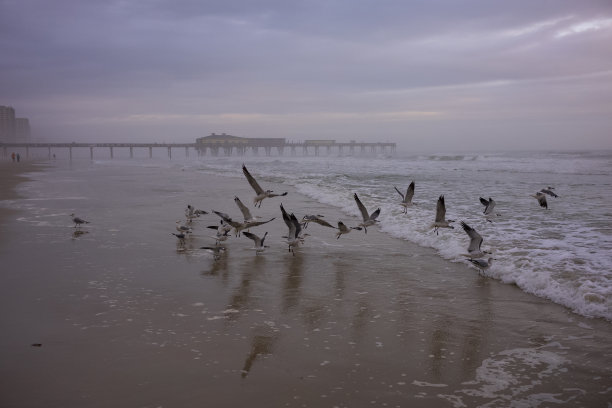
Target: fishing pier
[(218, 145)]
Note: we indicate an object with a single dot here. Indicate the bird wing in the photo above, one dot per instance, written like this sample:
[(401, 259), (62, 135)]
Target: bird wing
[(250, 224), (479, 263), (277, 195), (252, 236), (489, 208), (296, 225), (440, 209), (245, 211), (227, 219), (252, 181), (475, 238), (322, 222), (375, 214), (342, 227), (484, 201), (399, 192), (286, 217), (362, 209), (542, 200), (409, 192)]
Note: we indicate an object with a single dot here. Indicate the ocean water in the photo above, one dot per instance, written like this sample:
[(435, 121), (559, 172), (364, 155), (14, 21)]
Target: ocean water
[(563, 253)]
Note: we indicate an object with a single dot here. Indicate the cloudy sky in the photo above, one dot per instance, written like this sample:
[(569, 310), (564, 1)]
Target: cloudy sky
[(427, 74)]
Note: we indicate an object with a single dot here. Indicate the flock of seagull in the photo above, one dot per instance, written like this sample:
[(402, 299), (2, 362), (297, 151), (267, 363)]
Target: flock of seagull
[(296, 234)]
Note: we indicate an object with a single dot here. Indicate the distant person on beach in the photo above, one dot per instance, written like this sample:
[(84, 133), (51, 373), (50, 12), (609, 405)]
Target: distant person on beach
[(18, 157), (13, 156)]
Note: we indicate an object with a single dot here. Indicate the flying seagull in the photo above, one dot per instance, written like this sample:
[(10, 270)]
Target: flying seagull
[(489, 206), (293, 237), (406, 198), (441, 221), (259, 242), (343, 229), (541, 197), (549, 190), (239, 226), (474, 250), (261, 193), (78, 221), (368, 219), (316, 219), (482, 264)]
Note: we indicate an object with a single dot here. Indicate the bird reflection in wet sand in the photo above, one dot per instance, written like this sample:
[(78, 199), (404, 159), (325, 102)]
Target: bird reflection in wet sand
[(261, 345), (77, 233)]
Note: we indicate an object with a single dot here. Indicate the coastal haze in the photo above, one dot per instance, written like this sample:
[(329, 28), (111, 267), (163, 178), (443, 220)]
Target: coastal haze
[(469, 75), (137, 109)]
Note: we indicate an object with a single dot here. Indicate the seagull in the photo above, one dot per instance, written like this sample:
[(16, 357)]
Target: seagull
[(549, 190), (78, 221), (474, 250), (489, 206), (222, 231), (261, 193), (316, 219), (216, 251), (183, 228), (181, 237), (259, 242), (244, 210), (482, 264), (441, 221), (368, 220), (239, 226), (406, 198), (541, 197), (343, 229), (191, 212), (293, 237)]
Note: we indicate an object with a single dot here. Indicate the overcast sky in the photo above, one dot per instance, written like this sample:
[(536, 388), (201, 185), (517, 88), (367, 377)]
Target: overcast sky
[(428, 74)]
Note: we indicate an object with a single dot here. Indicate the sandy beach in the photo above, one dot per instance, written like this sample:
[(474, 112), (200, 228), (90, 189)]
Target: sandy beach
[(119, 315)]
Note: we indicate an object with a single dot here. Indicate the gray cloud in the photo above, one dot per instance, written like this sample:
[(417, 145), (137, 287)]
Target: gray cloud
[(438, 73)]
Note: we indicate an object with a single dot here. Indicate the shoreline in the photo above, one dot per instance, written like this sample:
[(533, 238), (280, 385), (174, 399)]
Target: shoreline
[(340, 323)]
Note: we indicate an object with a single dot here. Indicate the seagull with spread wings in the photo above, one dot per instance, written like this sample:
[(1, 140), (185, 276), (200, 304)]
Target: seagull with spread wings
[(441, 221), (368, 219), (261, 193), (406, 198), (258, 241), (293, 237), (474, 250)]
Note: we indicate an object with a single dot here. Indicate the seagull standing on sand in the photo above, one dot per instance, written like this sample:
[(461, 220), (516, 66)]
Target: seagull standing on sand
[(406, 198), (474, 250), (368, 219), (78, 221), (316, 219), (259, 242), (261, 193), (293, 237), (343, 229), (441, 221), (482, 264), (541, 197)]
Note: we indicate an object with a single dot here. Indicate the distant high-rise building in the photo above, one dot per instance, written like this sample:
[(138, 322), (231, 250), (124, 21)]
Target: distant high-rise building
[(22, 128), (7, 123)]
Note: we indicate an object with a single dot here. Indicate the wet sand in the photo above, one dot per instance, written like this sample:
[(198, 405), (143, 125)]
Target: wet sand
[(126, 318)]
